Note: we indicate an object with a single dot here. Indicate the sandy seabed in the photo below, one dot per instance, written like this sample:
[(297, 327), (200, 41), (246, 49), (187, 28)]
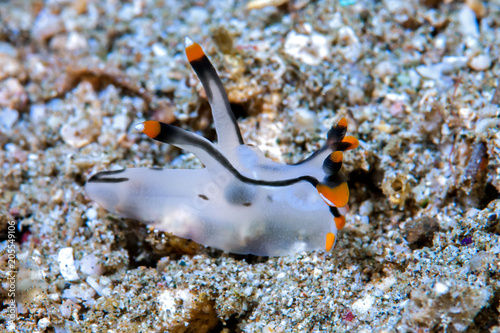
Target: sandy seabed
[(418, 82)]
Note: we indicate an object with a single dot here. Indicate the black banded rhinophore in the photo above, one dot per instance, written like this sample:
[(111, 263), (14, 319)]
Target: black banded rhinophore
[(241, 202)]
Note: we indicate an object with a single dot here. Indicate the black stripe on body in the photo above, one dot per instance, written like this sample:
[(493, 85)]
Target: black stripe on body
[(175, 135), (100, 177), (335, 212), (206, 73)]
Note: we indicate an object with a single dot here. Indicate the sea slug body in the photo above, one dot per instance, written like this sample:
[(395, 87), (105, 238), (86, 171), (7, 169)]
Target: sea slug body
[(241, 202)]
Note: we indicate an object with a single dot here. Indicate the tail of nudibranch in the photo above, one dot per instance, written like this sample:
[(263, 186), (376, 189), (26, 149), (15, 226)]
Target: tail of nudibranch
[(333, 189)]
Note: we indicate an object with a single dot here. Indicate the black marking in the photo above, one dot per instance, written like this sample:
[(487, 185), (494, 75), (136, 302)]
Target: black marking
[(335, 136), (239, 194), (330, 167), (335, 211), (178, 136), (98, 179), (337, 133), (333, 142), (110, 172), (334, 180), (204, 197), (101, 177), (206, 73), (344, 146), (156, 168)]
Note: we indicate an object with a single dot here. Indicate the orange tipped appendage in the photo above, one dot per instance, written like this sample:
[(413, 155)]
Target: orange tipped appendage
[(330, 240), (354, 143), (337, 196), (336, 156), (194, 52), (342, 123), (151, 128), (339, 222)]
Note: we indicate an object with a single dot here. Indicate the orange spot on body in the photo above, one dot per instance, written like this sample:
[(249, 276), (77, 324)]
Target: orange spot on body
[(339, 222), (334, 196), (352, 140), (194, 52), (151, 128), (330, 240)]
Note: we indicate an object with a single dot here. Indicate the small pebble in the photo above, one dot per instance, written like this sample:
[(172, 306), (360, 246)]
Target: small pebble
[(76, 41), (8, 118), (306, 120), (310, 49), (441, 288), (67, 307), (259, 4), (477, 6), (91, 213), (420, 232), (355, 95), (480, 62), (46, 25), (43, 323), (366, 208), (67, 264), (432, 72), (37, 113), (362, 306), (385, 68), (91, 265), (10, 66), (468, 22), (12, 94)]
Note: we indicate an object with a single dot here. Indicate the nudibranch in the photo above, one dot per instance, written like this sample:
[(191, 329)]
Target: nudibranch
[(241, 202)]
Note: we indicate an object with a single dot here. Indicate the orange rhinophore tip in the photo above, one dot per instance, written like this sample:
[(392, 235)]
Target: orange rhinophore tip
[(353, 142), (339, 222), (342, 123), (336, 157), (193, 50), (337, 196), (151, 128), (330, 240)]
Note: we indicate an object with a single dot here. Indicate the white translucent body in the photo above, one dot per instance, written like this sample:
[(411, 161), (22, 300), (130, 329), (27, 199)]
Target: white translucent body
[(212, 207), (237, 217)]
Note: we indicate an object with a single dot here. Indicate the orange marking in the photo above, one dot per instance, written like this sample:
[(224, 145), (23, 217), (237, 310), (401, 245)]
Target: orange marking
[(339, 222), (336, 157), (352, 140), (342, 123), (151, 128), (194, 52), (330, 240), (334, 196)]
